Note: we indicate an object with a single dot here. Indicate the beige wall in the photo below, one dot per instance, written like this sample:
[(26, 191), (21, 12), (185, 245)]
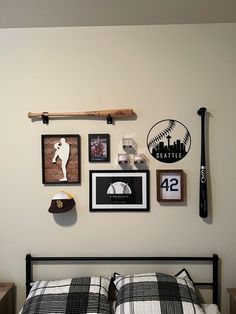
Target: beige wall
[(161, 72)]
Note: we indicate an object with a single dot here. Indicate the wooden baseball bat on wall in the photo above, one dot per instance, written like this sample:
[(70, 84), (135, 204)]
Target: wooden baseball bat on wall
[(108, 113)]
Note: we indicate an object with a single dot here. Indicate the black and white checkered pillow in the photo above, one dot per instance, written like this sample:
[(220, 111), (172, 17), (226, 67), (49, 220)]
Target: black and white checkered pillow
[(77, 295), (183, 273), (156, 293)]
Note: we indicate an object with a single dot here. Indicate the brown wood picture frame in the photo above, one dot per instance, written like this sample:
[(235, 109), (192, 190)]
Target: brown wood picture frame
[(170, 185), (61, 159)]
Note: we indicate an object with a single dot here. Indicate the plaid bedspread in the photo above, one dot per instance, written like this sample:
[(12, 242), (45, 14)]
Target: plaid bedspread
[(71, 296), (156, 293)]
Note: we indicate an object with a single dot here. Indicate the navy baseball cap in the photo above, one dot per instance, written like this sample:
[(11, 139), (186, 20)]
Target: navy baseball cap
[(61, 202)]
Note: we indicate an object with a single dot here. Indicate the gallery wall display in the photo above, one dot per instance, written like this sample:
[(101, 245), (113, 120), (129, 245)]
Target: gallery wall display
[(170, 185), (99, 147), (168, 141), (61, 159), (119, 190)]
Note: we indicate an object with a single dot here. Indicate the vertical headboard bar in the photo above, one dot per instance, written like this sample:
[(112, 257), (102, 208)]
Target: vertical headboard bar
[(29, 277), (215, 278)]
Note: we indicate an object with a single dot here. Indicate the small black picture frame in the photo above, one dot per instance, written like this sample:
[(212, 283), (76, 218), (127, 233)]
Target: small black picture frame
[(61, 159), (99, 147), (118, 190)]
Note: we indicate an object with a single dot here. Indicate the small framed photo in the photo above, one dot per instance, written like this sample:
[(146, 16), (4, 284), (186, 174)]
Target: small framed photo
[(61, 159), (170, 185), (99, 147), (119, 190)]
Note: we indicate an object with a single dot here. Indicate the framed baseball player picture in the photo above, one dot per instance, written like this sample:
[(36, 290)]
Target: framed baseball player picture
[(99, 147), (118, 190), (61, 159)]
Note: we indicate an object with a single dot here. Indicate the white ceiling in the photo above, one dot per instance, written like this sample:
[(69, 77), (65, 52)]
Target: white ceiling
[(59, 13)]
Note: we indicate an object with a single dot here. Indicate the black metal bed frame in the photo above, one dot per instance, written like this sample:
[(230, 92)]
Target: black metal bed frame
[(213, 260)]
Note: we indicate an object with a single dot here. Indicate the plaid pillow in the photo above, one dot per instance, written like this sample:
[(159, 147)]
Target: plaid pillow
[(155, 293), (183, 273), (77, 295)]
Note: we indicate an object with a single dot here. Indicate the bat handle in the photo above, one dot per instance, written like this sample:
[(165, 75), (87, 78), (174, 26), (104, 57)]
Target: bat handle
[(203, 211), (203, 203)]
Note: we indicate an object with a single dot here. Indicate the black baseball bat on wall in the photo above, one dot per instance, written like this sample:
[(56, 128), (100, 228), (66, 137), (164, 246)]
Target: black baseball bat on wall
[(203, 211)]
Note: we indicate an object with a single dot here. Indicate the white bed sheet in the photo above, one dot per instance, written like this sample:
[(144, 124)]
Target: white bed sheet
[(211, 309)]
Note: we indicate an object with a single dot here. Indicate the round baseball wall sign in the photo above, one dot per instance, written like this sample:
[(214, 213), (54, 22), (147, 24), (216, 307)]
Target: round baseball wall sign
[(168, 141)]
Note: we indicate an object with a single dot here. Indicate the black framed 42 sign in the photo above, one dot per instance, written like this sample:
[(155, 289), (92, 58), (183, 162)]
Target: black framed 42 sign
[(170, 186)]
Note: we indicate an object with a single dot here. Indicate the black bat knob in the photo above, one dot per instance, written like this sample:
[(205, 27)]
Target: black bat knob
[(201, 111)]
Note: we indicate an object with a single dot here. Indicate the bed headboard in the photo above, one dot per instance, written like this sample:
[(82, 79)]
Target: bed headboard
[(213, 260)]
